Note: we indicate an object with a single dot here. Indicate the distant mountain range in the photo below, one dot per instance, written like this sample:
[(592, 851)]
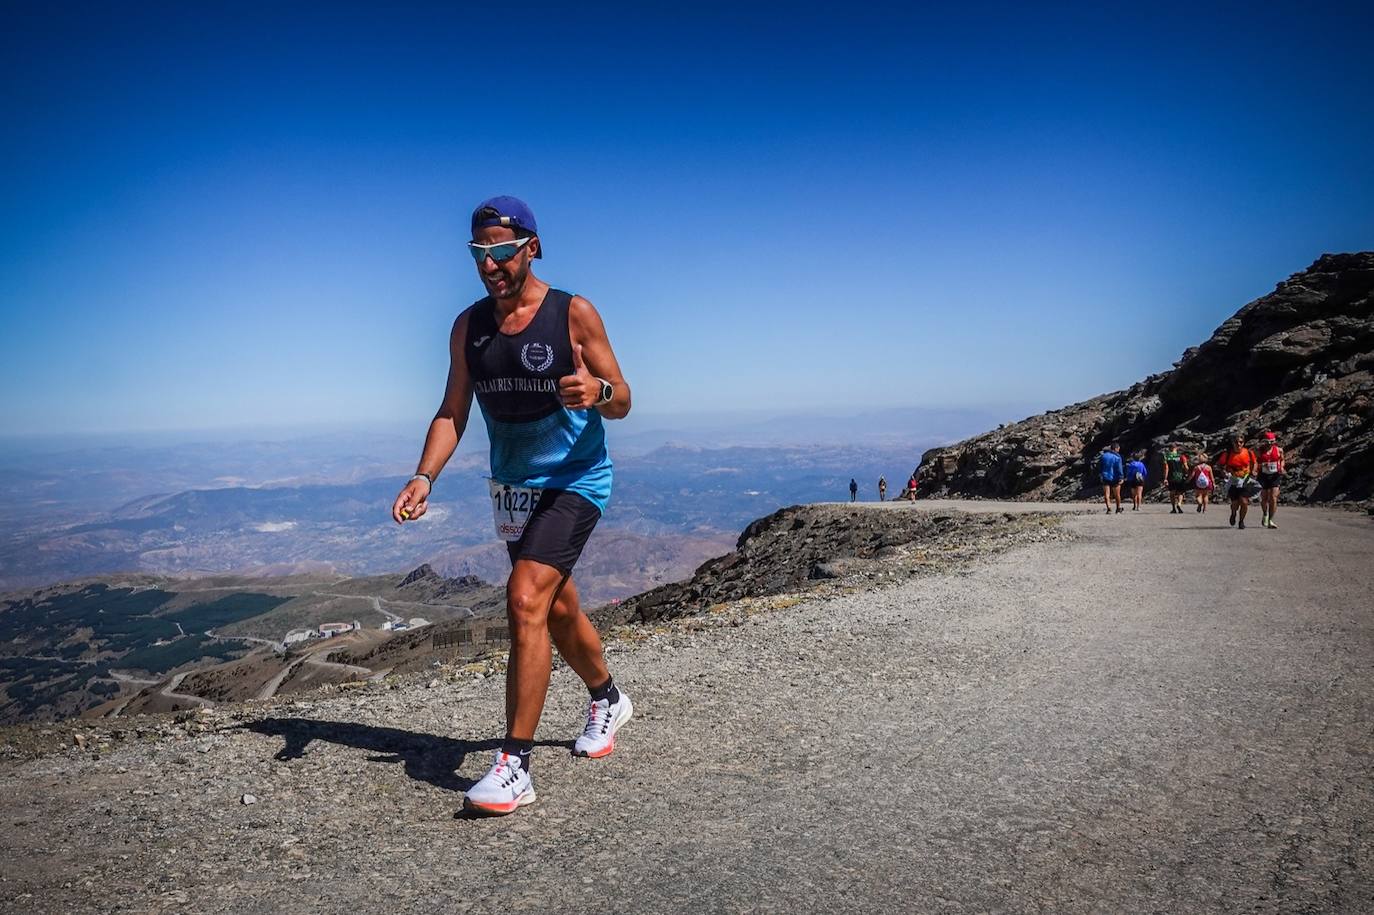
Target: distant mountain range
[(1299, 361), (677, 504)]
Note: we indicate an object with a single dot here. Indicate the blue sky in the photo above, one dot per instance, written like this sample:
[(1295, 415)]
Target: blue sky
[(256, 216)]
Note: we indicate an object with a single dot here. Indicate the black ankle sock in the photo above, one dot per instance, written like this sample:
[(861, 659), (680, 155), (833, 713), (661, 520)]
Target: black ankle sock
[(605, 691), (520, 749)]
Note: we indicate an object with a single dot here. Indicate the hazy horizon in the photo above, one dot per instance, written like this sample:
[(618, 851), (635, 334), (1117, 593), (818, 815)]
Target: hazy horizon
[(702, 428)]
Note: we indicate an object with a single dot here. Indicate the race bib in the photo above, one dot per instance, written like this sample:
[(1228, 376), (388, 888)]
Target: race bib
[(1270, 467), (511, 507)]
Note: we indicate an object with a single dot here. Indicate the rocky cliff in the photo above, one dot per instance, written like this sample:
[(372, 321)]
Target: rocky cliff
[(1299, 361), (817, 549)]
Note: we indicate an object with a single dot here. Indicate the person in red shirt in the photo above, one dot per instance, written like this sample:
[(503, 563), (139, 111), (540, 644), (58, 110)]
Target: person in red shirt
[(1270, 475), (1239, 465)]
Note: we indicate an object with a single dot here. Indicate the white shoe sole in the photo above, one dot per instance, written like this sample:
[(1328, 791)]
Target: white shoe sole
[(500, 810), (626, 710)]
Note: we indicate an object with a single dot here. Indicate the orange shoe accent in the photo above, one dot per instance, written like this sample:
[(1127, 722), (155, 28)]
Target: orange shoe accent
[(606, 752), (497, 809)]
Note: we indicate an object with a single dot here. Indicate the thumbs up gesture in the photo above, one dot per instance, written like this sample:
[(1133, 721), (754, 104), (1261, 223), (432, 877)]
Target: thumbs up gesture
[(581, 389)]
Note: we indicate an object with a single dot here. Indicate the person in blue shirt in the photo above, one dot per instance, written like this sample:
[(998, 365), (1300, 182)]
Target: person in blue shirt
[(1109, 467), (1135, 479)]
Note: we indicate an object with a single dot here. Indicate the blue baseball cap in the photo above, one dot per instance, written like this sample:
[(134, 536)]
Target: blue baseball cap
[(511, 212)]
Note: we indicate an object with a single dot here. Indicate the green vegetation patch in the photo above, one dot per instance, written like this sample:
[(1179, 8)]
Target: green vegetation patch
[(121, 618), (159, 659), (226, 610)]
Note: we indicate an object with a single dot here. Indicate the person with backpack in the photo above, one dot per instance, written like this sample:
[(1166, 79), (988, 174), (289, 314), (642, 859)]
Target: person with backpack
[(1203, 481), (1135, 479), (1239, 465), (1112, 473), (1271, 472), (1176, 477)]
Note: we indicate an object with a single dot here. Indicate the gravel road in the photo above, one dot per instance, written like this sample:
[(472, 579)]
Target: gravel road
[(1161, 715)]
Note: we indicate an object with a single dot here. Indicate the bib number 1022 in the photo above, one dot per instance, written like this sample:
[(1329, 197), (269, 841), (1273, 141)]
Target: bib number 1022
[(513, 501), (511, 507)]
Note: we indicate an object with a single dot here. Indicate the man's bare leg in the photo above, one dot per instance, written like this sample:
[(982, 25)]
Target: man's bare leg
[(576, 638), (530, 594)]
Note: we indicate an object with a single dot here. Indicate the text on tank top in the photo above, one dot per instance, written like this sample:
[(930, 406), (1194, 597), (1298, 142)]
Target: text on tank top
[(515, 376), (535, 441)]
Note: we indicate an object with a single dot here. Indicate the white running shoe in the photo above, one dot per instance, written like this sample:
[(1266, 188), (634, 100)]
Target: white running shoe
[(505, 787), (603, 720)]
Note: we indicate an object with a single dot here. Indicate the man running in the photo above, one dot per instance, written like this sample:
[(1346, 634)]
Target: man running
[(1176, 477), (1112, 473), (544, 374), (853, 489), (1238, 463), (882, 489), (1135, 479), (1271, 472)]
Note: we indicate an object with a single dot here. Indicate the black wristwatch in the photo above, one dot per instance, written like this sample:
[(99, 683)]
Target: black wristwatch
[(607, 392)]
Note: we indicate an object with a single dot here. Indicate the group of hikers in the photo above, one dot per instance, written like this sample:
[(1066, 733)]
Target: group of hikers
[(1238, 471), (907, 494)]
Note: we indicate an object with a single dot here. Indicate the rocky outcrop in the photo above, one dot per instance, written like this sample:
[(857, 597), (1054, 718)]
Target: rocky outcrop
[(1299, 361), (799, 549)]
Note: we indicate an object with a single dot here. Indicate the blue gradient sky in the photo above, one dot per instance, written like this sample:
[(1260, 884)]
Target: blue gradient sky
[(256, 216)]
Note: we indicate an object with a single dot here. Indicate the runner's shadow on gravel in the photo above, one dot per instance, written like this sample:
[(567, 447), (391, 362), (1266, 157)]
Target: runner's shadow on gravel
[(426, 758)]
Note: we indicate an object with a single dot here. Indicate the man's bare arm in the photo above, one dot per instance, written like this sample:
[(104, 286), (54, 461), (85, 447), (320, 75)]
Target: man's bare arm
[(445, 430), (451, 419), (587, 330)]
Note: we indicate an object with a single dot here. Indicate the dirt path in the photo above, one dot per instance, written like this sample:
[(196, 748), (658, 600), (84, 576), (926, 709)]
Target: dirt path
[(170, 691), (269, 689), (1164, 715)]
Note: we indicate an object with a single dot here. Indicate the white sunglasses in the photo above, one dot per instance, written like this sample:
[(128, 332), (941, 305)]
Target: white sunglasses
[(500, 252)]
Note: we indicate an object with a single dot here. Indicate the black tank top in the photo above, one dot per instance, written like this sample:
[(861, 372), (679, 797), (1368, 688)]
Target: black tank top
[(515, 376)]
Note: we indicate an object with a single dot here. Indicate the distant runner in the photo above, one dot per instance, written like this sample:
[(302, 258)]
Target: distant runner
[(1271, 472), (1112, 473), (1135, 479), (853, 489), (544, 374), (1203, 480), (910, 488), (1176, 477), (882, 489), (1238, 463)]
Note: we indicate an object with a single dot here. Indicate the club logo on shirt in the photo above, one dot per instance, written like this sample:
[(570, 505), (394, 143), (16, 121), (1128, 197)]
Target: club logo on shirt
[(537, 357)]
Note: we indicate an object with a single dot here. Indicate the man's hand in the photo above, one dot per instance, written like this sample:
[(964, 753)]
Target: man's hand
[(412, 502), (581, 389)]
